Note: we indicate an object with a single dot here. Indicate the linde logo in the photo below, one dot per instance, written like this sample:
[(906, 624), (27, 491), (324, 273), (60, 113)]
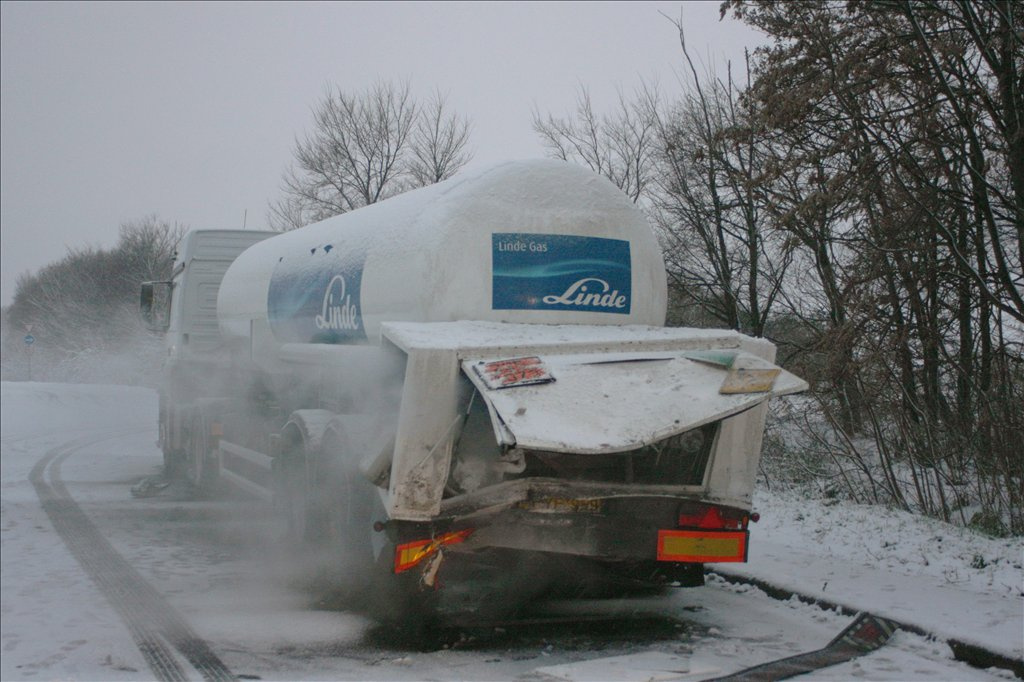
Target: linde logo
[(338, 312), (589, 291), (560, 272)]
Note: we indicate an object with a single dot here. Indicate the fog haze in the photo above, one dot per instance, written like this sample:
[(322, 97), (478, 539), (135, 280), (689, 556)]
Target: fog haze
[(114, 111)]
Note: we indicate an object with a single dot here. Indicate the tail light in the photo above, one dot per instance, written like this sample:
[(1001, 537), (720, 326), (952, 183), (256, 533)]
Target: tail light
[(706, 533), (411, 554), (710, 517)]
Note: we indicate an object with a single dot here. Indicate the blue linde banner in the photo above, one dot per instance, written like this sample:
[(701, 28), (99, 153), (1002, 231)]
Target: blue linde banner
[(560, 272), (317, 301)]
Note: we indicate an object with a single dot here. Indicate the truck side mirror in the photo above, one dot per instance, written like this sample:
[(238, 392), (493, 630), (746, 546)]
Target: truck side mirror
[(155, 305)]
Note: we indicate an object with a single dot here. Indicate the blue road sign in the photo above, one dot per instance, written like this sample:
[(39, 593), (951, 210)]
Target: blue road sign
[(29, 339)]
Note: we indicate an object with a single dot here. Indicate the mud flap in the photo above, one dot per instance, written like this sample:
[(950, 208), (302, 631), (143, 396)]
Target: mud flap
[(865, 634)]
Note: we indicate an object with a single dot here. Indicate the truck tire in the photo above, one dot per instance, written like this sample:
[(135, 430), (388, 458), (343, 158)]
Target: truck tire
[(328, 515), (331, 509), (309, 482), (408, 612), (405, 610), (344, 503), (174, 457), (200, 467), (174, 464), (293, 485)]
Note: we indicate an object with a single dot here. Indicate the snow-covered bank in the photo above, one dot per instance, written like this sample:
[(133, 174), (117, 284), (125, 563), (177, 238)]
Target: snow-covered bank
[(948, 580)]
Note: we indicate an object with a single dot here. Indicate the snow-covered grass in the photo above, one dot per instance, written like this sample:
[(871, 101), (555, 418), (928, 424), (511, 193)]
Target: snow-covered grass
[(806, 453), (893, 540), (950, 580)]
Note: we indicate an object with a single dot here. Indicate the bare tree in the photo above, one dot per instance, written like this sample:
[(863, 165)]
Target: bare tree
[(722, 252), (439, 143), (693, 165), (366, 147), (146, 248), (86, 304), (620, 147), (893, 158)]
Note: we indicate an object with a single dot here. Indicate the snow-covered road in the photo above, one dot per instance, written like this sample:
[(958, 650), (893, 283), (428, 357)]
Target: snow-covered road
[(209, 562)]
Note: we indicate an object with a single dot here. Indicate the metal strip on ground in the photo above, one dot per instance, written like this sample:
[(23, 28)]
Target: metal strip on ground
[(972, 654), (865, 634), (149, 618)]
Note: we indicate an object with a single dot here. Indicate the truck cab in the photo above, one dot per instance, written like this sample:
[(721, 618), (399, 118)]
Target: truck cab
[(184, 308)]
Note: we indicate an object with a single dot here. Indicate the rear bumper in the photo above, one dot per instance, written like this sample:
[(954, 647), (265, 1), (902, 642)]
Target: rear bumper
[(535, 493), (609, 522)]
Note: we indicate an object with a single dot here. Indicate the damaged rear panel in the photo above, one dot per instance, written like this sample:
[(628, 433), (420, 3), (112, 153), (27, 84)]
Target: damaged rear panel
[(643, 410)]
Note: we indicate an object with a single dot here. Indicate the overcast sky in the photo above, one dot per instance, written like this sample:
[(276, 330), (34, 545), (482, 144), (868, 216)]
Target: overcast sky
[(112, 112)]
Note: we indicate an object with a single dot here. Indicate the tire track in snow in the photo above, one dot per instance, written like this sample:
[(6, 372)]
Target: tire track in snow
[(152, 622)]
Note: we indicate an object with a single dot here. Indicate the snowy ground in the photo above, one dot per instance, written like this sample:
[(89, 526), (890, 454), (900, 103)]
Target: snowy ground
[(207, 561)]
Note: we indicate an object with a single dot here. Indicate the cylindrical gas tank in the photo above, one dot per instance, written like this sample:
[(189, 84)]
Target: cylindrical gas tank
[(536, 241)]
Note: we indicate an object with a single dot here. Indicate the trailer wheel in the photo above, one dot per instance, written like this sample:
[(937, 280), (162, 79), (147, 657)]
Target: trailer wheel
[(348, 505), (331, 509), (344, 501), (308, 481), (293, 484), (408, 612), (328, 514)]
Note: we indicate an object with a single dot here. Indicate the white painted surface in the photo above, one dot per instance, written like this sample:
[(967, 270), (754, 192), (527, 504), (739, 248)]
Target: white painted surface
[(484, 338), (614, 402)]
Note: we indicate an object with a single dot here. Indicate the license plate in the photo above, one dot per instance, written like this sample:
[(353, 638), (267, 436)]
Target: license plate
[(561, 504)]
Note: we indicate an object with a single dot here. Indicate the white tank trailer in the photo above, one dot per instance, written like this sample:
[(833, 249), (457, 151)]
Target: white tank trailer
[(476, 373)]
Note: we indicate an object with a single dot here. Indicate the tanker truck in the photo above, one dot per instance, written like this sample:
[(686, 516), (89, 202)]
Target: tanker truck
[(465, 378)]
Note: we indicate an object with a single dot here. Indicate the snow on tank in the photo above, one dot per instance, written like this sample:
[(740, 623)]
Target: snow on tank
[(537, 241)]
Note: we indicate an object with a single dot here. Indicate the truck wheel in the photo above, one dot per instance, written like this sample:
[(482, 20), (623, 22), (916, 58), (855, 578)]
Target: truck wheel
[(310, 496), (299, 474), (293, 483), (174, 458), (326, 525), (174, 464), (407, 611), (344, 503), (200, 470)]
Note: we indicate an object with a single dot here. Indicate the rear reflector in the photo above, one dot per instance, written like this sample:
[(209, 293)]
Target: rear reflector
[(700, 546), (412, 553)]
